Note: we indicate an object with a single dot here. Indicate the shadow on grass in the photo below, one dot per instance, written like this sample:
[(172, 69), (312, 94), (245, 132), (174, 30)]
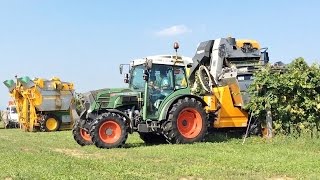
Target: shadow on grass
[(142, 144), (221, 136), (10, 128), (137, 145), (214, 136)]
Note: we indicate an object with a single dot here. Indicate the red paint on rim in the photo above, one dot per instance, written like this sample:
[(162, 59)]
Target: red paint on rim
[(189, 123), (85, 135), (109, 132)]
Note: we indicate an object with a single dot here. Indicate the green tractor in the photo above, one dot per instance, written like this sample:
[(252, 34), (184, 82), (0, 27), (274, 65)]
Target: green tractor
[(158, 104)]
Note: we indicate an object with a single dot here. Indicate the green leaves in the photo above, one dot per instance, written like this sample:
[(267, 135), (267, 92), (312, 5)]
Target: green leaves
[(293, 96)]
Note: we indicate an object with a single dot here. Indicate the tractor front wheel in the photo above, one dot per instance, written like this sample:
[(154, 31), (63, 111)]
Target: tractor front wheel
[(80, 135), (187, 122), (49, 123), (109, 131)]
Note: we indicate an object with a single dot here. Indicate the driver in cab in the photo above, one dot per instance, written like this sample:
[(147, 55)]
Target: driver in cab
[(159, 86), (161, 83)]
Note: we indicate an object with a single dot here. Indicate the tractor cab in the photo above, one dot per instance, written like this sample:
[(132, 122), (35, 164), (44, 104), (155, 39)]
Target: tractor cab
[(158, 77)]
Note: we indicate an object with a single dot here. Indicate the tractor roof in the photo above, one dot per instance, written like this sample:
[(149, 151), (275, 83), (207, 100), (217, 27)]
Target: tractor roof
[(164, 59)]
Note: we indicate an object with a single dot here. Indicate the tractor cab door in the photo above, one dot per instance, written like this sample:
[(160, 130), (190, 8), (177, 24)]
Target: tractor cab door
[(163, 81)]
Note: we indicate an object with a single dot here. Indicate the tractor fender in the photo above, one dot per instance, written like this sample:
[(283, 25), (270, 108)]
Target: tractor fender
[(85, 116), (164, 112), (121, 113)]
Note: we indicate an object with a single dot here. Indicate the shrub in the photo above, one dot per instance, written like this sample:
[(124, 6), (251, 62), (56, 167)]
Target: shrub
[(292, 94)]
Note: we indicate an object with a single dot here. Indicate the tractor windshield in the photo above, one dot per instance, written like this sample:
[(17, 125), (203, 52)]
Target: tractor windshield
[(137, 81), (166, 77), (161, 77)]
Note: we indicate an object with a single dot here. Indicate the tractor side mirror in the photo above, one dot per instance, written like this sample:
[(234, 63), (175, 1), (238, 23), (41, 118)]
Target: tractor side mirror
[(145, 75), (126, 78), (121, 68)]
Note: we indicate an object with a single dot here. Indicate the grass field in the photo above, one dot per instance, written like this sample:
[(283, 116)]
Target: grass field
[(57, 156)]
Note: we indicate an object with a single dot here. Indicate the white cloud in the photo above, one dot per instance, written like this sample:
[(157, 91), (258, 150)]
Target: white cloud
[(173, 30)]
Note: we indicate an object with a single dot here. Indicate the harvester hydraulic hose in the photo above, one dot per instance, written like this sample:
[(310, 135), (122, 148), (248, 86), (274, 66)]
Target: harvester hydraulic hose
[(201, 78)]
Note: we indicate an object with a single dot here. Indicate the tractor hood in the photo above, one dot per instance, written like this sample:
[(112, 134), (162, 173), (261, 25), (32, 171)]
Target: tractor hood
[(111, 98)]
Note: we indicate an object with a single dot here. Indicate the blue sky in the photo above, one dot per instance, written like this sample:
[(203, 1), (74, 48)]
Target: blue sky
[(85, 41)]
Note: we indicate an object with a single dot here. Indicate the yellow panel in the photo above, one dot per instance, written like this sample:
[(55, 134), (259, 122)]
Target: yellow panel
[(236, 94), (188, 72), (36, 97), (67, 86), (55, 79), (228, 114), (254, 43), (39, 82), (212, 103)]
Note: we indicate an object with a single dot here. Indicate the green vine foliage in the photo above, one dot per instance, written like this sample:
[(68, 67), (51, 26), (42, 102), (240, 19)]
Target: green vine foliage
[(79, 100), (198, 90), (292, 94)]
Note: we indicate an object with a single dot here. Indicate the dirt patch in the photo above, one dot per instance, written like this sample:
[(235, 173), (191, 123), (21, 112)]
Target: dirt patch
[(25, 149), (190, 178), (78, 153), (72, 152), (159, 160), (96, 155), (280, 178)]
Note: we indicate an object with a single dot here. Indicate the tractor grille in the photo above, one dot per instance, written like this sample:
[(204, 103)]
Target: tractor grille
[(104, 100)]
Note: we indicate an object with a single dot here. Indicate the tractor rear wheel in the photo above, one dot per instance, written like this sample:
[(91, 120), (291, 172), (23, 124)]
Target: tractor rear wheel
[(151, 138), (109, 131), (187, 122), (49, 123), (80, 135)]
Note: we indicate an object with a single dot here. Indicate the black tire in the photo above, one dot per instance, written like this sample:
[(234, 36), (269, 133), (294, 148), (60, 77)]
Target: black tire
[(152, 138), (15, 125), (80, 135), (43, 123), (178, 114), (115, 124)]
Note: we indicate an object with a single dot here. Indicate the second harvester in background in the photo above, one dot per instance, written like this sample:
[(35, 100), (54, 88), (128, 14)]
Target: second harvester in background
[(42, 104)]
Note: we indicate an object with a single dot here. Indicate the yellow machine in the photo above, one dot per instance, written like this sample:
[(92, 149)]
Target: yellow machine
[(223, 102), (221, 72), (42, 104)]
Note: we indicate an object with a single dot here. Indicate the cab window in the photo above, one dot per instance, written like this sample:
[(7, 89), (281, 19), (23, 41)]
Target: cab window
[(180, 78)]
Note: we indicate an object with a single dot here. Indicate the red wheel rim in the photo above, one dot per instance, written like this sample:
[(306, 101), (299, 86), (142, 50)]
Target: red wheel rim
[(189, 123), (86, 136), (109, 131)]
